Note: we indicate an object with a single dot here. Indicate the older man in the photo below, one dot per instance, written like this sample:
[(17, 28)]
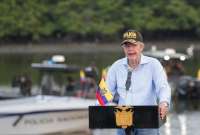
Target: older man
[(139, 80)]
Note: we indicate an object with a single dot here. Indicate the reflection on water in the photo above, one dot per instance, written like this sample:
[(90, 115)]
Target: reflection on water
[(168, 127), (186, 123), (183, 119)]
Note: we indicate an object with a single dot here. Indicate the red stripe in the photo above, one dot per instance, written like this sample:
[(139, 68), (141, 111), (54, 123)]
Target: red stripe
[(98, 96)]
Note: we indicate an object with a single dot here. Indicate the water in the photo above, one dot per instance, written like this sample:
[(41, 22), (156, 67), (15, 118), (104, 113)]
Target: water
[(186, 123), (182, 121), (15, 64)]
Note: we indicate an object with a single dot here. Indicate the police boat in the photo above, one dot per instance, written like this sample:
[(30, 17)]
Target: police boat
[(48, 112), (43, 115)]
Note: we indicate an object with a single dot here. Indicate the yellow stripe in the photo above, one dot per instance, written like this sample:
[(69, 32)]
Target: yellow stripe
[(105, 91)]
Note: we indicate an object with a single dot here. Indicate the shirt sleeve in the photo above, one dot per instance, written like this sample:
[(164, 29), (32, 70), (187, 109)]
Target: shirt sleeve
[(111, 80), (163, 90)]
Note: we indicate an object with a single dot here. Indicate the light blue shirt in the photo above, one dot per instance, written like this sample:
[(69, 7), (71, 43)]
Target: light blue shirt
[(149, 85)]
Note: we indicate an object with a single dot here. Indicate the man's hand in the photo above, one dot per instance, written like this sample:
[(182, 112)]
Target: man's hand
[(163, 109)]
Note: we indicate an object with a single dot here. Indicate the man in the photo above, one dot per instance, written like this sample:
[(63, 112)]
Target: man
[(139, 80)]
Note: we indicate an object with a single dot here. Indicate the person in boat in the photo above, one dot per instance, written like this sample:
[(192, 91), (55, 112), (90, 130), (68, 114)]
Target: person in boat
[(70, 87), (16, 81), (139, 80), (91, 77), (25, 85), (174, 68)]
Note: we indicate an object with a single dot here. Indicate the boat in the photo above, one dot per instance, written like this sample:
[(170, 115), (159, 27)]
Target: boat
[(48, 112), (183, 86), (11, 94), (21, 84), (53, 74), (44, 114), (188, 88), (166, 54)]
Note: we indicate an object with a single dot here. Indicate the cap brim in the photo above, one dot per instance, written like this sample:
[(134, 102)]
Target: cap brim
[(128, 41)]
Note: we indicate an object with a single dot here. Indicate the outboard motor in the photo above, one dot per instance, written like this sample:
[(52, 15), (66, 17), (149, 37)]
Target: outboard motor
[(185, 87)]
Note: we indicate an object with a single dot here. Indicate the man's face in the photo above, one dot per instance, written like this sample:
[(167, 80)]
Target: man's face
[(133, 51)]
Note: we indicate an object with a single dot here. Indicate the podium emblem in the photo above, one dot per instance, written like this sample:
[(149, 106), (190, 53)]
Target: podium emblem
[(124, 116)]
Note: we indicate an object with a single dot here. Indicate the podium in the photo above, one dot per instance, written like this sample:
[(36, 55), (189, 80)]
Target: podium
[(124, 117)]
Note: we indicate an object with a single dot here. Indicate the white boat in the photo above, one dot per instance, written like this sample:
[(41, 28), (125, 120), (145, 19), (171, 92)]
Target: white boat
[(172, 62), (44, 114), (167, 54)]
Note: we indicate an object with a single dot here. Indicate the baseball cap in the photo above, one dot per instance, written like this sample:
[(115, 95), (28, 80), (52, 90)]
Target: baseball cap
[(132, 36)]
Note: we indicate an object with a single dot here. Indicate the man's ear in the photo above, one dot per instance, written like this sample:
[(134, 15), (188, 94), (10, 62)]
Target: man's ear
[(142, 47)]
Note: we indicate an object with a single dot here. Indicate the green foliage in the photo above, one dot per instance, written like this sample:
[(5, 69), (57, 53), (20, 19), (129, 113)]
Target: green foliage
[(38, 19)]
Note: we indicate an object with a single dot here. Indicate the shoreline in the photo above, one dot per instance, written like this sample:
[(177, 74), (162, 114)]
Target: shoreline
[(89, 47)]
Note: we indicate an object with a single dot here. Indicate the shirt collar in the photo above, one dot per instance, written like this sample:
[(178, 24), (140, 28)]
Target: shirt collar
[(144, 60)]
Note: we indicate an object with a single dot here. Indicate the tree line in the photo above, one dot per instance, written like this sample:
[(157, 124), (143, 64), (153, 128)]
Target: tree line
[(96, 19)]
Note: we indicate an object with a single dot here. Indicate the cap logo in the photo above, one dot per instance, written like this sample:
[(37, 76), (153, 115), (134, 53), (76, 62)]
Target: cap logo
[(130, 35)]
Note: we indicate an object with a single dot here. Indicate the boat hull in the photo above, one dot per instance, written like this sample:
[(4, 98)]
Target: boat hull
[(45, 122), (44, 114)]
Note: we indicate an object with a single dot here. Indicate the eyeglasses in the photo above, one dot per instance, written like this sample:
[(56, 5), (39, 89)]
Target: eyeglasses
[(128, 45)]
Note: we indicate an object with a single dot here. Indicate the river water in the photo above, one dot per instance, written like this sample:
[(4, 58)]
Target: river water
[(181, 120)]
